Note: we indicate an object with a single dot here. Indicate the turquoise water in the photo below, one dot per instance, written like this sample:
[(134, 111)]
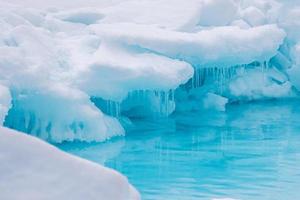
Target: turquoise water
[(252, 151)]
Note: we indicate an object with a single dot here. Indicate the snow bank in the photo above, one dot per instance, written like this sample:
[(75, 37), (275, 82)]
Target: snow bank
[(33, 169)]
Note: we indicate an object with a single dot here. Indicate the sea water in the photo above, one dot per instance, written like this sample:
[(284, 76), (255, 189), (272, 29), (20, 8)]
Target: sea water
[(251, 151)]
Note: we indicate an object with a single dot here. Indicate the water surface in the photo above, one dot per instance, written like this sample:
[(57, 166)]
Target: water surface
[(251, 151)]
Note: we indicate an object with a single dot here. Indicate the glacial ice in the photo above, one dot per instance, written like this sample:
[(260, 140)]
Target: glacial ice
[(72, 70), (58, 114)]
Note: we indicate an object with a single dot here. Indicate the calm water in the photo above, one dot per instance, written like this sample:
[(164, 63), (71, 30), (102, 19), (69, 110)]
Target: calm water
[(250, 152)]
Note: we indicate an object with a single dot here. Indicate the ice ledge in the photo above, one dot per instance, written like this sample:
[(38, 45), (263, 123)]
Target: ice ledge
[(219, 46), (34, 169)]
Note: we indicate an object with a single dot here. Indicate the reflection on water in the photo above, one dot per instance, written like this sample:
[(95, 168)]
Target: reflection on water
[(250, 152)]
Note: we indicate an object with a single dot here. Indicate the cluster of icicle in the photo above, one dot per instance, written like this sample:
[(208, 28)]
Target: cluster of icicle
[(159, 103), (162, 103)]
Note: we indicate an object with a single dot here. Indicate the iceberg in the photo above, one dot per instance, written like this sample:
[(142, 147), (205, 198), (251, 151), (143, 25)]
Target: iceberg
[(77, 71)]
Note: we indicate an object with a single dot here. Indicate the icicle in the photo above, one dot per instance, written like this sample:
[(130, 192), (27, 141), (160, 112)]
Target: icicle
[(112, 108)]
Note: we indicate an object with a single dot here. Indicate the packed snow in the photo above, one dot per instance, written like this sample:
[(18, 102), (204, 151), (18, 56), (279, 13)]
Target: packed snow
[(33, 169), (77, 70)]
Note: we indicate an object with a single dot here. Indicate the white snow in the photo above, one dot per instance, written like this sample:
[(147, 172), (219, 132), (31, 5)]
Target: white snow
[(253, 16), (33, 169), (70, 70), (5, 102), (222, 46), (256, 84), (217, 12), (57, 56), (132, 71)]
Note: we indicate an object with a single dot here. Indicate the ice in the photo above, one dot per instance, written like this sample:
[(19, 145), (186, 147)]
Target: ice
[(281, 61), (60, 114), (140, 103), (294, 72), (219, 75), (5, 102), (253, 16), (240, 23), (149, 103), (82, 16), (109, 107), (289, 21), (91, 64), (33, 169), (138, 12), (213, 101), (217, 12), (225, 46), (257, 84), (53, 76), (132, 71)]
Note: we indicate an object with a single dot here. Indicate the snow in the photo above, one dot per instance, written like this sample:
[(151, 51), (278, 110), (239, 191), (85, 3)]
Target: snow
[(5, 102), (180, 15), (217, 12), (253, 16), (225, 46), (33, 169), (132, 71), (71, 70), (255, 84)]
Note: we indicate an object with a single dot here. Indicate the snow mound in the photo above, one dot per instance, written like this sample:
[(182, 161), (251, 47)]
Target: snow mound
[(52, 174)]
